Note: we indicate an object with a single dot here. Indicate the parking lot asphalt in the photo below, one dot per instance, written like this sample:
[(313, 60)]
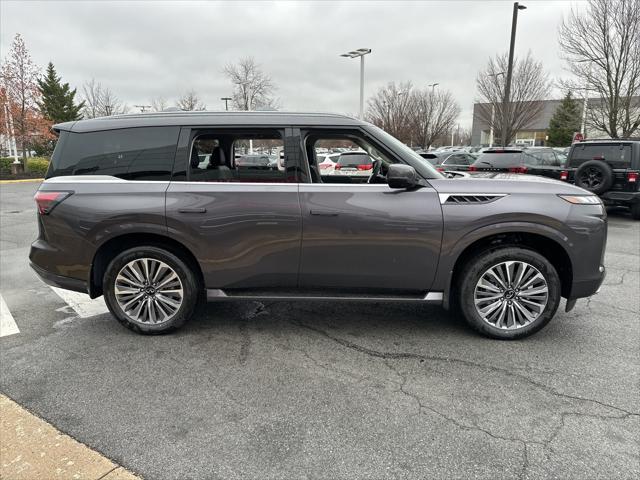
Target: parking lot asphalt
[(331, 390)]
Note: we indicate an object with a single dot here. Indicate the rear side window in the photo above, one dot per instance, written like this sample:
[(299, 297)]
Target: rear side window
[(507, 159), (616, 155), (145, 153)]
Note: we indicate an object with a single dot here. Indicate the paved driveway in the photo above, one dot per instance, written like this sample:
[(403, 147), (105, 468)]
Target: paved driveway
[(330, 390)]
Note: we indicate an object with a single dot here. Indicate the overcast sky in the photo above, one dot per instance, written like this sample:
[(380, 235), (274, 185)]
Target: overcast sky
[(146, 49)]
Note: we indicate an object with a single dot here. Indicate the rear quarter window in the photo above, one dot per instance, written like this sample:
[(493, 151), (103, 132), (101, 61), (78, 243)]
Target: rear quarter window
[(499, 160), (354, 160), (144, 153), (616, 155)]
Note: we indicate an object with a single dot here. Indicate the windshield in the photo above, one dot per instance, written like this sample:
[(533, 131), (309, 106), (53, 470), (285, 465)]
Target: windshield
[(422, 165), (507, 159)]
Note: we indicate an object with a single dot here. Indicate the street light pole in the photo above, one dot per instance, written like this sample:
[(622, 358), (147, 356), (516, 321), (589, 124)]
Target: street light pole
[(507, 87), (361, 52)]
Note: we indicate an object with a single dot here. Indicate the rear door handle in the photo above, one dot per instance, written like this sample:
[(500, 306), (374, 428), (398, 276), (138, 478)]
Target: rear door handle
[(192, 210), (324, 213)]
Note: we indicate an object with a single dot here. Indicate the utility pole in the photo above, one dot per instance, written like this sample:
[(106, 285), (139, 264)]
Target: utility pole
[(507, 88), (226, 102)]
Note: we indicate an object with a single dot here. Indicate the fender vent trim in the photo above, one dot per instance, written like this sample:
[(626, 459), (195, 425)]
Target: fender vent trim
[(469, 198)]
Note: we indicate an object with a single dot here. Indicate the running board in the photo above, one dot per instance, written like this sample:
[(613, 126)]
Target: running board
[(216, 294)]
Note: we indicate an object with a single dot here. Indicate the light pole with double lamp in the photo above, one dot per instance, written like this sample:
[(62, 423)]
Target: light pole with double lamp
[(507, 87), (361, 52)]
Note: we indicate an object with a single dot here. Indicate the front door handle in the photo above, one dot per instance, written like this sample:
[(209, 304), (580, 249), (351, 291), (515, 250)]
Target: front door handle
[(324, 213), (192, 210)]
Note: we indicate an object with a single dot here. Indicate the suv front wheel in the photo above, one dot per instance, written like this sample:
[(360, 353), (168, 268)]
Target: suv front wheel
[(509, 293), (150, 290)]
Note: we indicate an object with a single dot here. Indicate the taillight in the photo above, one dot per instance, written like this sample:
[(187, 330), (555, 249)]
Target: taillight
[(338, 166), (365, 167), (564, 175), (518, 170), (47, 201), (632, 177), (473, 168), (440, 169)]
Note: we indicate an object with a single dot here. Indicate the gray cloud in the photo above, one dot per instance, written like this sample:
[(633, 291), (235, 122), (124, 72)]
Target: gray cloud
[(147, 49)]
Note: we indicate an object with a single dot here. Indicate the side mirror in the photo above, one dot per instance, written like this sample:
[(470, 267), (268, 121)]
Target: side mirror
[(402, 176)]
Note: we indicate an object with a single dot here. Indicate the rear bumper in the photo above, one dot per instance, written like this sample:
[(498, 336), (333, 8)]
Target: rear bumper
[(66, 283), (620, 197)]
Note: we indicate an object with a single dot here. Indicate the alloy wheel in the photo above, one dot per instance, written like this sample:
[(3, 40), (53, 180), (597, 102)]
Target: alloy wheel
[(511, 295), (592, 177), (148, 291)]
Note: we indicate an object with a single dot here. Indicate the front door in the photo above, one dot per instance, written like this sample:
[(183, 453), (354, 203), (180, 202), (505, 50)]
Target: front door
[(359, 235)]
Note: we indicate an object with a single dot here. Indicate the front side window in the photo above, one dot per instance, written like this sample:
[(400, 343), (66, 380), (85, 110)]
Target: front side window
[(254, 157), (355, 159)]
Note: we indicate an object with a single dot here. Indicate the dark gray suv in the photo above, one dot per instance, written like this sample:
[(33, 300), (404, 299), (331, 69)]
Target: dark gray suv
[(155, 212)]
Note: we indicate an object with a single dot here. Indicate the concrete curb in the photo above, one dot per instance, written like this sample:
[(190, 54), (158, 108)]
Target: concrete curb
[(22, 180), (32, 449)]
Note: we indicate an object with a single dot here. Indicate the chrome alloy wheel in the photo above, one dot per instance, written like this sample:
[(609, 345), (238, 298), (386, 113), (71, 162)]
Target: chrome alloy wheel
[(511, 295), (148, 291)]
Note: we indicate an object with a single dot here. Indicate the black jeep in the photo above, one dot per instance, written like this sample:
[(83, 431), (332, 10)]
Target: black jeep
[(610, 169)]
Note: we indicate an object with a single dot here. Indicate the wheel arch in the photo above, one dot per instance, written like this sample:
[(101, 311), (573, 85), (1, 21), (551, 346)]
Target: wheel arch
[(112, 247), (549, 243)]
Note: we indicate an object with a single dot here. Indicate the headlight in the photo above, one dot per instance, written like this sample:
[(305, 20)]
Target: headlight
[(582, 199)]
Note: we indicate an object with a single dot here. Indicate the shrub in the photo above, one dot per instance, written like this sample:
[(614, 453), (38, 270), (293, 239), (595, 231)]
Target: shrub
[(38, 165), (5, 165)]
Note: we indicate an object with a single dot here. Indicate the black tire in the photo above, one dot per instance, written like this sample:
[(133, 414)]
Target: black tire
[(635, 211), (595, 176), (479, 265), (189, 282)]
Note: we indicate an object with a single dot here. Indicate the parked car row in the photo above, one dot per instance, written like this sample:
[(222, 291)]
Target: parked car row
[(608, 168)]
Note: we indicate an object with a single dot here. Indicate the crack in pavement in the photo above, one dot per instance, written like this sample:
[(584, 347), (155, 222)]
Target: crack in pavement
[(467, 363)]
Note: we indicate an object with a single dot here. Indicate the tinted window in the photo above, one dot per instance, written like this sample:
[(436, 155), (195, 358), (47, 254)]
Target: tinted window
[(617, 155), (131, 154), (507, 159)]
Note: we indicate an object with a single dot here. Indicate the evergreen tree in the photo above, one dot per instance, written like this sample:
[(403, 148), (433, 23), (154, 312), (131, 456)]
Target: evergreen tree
[(57, 102), (565, 121)]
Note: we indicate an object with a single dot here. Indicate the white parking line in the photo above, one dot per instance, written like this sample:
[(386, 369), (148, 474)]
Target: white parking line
[(7, 323), (81, 303)]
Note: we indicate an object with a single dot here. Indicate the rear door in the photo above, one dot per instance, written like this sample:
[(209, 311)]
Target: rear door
[(242, 223), (358, 234)]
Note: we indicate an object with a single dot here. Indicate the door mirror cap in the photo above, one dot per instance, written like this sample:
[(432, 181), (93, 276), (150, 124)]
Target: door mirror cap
[(402, 176)]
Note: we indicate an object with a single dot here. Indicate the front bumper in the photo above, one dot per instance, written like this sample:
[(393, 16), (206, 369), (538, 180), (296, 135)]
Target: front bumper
[(586, 288), (66, 283)]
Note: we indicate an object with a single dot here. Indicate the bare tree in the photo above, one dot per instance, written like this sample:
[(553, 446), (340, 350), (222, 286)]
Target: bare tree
[(190, 101), (530, 85), (100, 101), (253, 89), (390, 109), (434, 114), (158, 104), (20, 91), (601, 44)]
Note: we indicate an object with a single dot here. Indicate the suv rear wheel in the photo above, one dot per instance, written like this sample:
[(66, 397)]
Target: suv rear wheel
[(150, 290), (509, 293)]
